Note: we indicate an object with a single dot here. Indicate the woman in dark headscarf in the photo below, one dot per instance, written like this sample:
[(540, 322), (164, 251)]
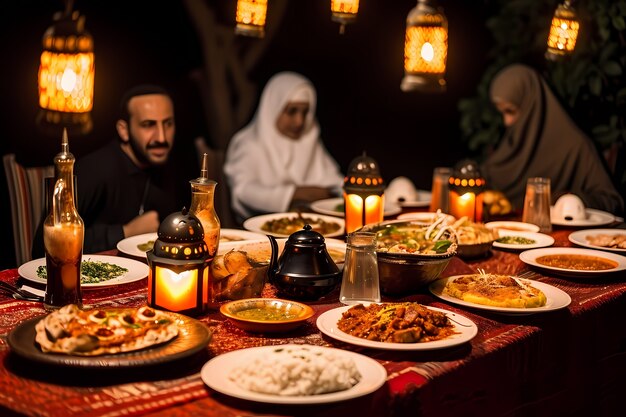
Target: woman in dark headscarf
[(541, 140)]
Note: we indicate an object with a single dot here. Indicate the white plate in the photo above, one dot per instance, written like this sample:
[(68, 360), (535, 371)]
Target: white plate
[(513, 226), (541, 240), (423, 200), (556, 298), (329, 206), (136, 270), (594, 218), (254, 224), (530, 257), (215, 373), (580, 238), (327, 323), (129, 245), (426, 217)]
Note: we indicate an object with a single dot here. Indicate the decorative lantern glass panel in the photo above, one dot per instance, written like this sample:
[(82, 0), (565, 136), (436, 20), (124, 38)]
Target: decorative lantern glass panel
[(179, 266), (250, 17), (344, 12), (563, 32), (425, 49), (466, 191), (363, 192), (66, 75)]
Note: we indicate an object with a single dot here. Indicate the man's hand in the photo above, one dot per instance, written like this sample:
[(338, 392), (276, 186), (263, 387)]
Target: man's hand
[(145, 223)]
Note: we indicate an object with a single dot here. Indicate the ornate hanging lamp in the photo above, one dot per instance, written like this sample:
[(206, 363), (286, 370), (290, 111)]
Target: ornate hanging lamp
[(363, 193), (344, 12), (563, 32), (66, 74), (250, 17), (425, 48)]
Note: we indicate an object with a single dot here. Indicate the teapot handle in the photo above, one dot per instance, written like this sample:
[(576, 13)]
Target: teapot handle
[(272, 269)]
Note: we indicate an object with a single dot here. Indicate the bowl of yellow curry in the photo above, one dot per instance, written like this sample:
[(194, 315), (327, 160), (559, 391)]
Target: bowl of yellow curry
[(266, 315)]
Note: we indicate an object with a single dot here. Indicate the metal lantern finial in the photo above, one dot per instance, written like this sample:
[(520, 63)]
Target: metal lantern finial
[(425, 49), (250, 17), (563, 32), (66, 74), (344, 12)]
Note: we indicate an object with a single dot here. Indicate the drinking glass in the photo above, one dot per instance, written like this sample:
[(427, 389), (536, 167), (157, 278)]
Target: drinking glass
[(360, 272), (537, 203), (440, 199)]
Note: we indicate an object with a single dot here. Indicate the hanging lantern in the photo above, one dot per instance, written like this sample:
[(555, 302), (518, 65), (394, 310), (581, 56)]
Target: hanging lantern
[(563, 32), (66, 75), (344, 12), (250, 18), (425, 49), (466, 187), (363, 194), (179, 266)]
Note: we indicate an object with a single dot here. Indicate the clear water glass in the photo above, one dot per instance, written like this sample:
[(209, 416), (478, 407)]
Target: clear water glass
[(537, 203), (360, 272)]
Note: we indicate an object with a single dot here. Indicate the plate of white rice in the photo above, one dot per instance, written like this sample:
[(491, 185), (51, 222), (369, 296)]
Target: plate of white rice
[(293, 374)]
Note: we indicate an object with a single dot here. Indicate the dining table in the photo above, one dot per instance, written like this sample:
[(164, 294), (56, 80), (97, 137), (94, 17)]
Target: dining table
[(565, 362)]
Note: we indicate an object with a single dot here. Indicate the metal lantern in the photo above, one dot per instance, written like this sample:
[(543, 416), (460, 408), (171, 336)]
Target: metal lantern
[(250, 17), (344, 12), (66, 74), (363, 193), (425, 48), (466, 191), (563, 32), (179, 266)]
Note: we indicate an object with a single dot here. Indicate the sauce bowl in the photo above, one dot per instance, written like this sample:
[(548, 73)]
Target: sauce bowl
[(266, 315)]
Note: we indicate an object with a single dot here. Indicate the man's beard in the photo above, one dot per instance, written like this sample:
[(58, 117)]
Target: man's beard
[(141, 154)]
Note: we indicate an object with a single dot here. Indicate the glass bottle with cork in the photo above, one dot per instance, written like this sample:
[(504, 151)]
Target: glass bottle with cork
[(202, 206), (63, 236)]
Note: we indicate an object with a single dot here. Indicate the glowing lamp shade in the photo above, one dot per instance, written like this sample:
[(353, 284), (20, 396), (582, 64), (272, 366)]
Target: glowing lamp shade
[(363, 194), (250, 17), (425, 49), (66, 75), (344, 12), (563, 32), (179, 266), (466, 187)]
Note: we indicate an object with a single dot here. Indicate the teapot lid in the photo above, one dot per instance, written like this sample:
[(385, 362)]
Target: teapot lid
[(306, 236)]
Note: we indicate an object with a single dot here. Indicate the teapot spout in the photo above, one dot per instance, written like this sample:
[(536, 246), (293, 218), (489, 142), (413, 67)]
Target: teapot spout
[(273, 267)]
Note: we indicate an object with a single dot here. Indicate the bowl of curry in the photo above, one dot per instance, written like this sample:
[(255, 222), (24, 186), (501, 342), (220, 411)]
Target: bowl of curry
[(266, 315), (574, 261)]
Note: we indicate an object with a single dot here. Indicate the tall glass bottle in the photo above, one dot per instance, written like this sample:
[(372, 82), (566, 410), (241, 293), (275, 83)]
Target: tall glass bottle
[(63, 236), (202, 206)]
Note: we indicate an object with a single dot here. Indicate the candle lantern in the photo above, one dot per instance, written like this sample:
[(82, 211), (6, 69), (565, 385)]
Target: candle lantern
[(179, 266), (66, 75), (250, 17), (344, 12), (466, 187), (425, 49), (363, 193), (563, 32)]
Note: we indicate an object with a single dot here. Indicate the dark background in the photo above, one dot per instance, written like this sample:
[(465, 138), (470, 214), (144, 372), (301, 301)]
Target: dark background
[(357, 76)]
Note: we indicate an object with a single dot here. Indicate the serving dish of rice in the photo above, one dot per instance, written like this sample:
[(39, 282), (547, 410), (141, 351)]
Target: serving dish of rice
[(293, 374)]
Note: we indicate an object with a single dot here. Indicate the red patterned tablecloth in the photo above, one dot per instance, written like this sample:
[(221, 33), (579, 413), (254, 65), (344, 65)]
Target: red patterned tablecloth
[(567, 361)]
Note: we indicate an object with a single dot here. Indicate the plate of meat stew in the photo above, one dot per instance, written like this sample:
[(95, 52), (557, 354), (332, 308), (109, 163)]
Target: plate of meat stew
[(284, 224), (456, 329), (574, 261)]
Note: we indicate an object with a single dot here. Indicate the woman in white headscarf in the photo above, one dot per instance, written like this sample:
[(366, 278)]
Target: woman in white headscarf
[(278, 160)]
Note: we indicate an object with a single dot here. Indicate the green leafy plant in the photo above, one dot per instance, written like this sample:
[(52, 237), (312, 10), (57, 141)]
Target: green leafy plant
[(591, 83)]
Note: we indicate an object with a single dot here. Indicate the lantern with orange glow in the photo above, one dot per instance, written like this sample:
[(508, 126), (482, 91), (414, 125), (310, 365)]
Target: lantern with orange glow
[(250, 17), (563, 32), (363, 194), (466, 187), (344, 12), (179, 266), (425, 49), (66, 75)]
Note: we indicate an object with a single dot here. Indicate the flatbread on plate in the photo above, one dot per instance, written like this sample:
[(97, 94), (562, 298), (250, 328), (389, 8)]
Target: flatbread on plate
[(495, 290)]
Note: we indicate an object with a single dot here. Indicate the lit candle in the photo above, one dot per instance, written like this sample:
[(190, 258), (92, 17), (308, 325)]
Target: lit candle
[(466, 191), (363, 194)]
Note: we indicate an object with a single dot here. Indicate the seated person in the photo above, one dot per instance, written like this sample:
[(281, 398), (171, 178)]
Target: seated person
[(127, 187), (278, 161), (541, 140)]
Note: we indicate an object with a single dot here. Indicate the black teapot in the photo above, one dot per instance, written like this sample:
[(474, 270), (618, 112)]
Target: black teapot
[(304, 270)]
